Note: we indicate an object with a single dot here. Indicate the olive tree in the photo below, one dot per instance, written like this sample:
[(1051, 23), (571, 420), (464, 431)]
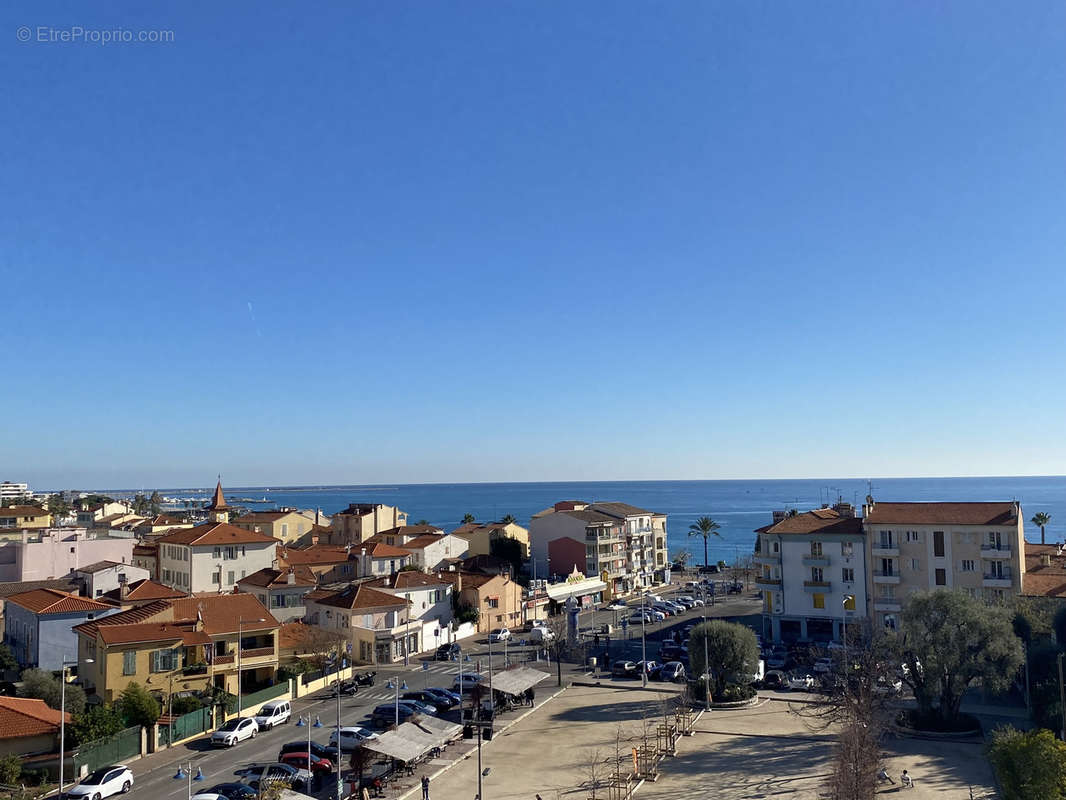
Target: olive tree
[(950, 640), (726, 650)]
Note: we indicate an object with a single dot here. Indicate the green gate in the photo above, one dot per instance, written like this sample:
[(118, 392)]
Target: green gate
[(114, 750), (191, 724), (251, 702)]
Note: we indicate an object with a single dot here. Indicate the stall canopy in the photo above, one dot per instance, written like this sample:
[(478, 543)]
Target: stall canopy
[(515, 681), (406, 743), (443, 730)]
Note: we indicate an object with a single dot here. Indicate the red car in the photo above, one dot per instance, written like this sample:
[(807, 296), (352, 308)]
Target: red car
[(299, 760)]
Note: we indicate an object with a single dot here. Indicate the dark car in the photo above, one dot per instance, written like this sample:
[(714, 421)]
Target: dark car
[(317, 750), (775, 679), (624, 669), (445, 694), (710, 569), (235, 791), (448, 651), (439, 703), (735, 588), (650, 668), (386, 714), (299, 760)]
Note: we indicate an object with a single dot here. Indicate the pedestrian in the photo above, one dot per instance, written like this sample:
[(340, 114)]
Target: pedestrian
[(365, 794), (905, 780), (425, 787), (883, 776), (596, 640)]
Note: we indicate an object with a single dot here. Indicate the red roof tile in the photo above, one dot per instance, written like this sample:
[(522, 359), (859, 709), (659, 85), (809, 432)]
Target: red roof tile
[(820, 520), (1001, 513), (214, 533), (26, 716), (53, 601)]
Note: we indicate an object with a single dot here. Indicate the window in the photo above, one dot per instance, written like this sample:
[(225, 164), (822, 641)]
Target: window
[(819, 600), (886, 566), (217, 553), (816, 574), (887, 591), (971, 591), (816, 549), (214, 577), (276, 601), (849, 602), (162, 660), (941, 577), (230, 578), (847, 575), (846, 548), (129, 662), (916, 564), (912, 536), (938, 544), (886, 539), (890, 622), (968, 566), (493, 602), (776, 546), (284, 530)]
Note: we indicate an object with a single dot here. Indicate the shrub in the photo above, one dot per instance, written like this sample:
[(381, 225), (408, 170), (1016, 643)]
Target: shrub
[(184, 704), (1030, 765), (96, 722), (10, 769), (137, 706), (46, 686)]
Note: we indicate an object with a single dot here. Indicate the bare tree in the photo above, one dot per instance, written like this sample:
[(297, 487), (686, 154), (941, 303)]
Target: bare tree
[(594, 770)]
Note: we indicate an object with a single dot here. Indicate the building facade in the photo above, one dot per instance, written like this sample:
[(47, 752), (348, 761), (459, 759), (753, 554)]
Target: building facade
[(360, 521), (14, 519), (374, 624), (286, 525), (212, 557), (38, 623), (56, 552), (481, 535), (281, 590), (812, 574), (976, 547)]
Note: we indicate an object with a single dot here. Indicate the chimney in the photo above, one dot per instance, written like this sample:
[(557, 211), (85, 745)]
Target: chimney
[(291, 577), (318, 515), (1045, 559), (314, 538), (124, 587)]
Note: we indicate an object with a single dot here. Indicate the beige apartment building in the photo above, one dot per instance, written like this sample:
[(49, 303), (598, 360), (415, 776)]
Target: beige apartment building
[(359, 521), (481, 535), (286, 525), (976, 547)]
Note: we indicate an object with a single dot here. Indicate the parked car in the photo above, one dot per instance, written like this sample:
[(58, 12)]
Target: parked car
[(390, 713), (273, 713), (317, 750), (351, 737), (259, 776), (300, 761), (103, 782), (418, 706), (446, 694), (229, 791), (499, 635), (346, 688), (541, 635), (698, 602), (446, 652), (439, 703), (735, 588), (624, 669), (236, 730), (465, 681), (649, 668), (686, 601), (709, 569), (672, 671), (823, 666), (665, 610), (800, 681), (673, 652), (775, 679), (778, 658)]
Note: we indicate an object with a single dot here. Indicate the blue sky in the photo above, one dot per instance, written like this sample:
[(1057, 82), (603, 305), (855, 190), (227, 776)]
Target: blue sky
[(407, 241)]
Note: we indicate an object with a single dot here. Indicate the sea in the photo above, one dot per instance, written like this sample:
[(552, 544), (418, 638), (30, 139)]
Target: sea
[(738, 506)]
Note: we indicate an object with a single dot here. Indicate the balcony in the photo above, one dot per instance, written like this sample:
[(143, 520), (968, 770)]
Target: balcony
[(886, 577), (767, 583), (772, 559), (194, 669), (991, 551), (885, 551), (812, 560), (887, 606), (816, 586), (221, 661), (997, 581)]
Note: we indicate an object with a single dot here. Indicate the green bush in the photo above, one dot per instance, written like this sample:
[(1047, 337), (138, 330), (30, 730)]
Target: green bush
[(184, 704), (97, 722), (137, 706), (1030, 765), (10, 769)]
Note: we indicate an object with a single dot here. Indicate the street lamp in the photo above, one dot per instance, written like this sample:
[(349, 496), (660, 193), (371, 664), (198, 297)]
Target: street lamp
[(302, 722), (397, 686), (63, 715), (185, 774), (240, 632), (643, 641)]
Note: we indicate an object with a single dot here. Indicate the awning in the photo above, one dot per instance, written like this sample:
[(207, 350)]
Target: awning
[(514, 681), (443, 730), (410, 741), (561, 591)]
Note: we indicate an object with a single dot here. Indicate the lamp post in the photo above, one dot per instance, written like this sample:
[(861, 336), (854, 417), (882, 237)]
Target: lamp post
[(305, 722), (643, 641), (240, 633), (185, 774), (397, 686), (63, 715)]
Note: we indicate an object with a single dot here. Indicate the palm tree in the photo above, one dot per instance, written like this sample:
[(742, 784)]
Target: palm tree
[(704, 527), (468, 518), (1041, 519), (508, 519)]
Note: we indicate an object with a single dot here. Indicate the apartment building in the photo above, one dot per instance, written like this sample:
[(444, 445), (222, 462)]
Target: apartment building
[(620, 544), (14, 519), (976, 547), (55, 552), (212, 557), (286, 525), (13, 491), (429, 547), (37, 625), (281, 590), (498, 599), (376, 624), (360, 521), (812, 574), (481, 535)]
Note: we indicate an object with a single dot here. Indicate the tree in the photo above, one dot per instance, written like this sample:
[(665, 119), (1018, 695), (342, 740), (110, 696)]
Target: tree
[(1041, 520), (731, 654), (1030, 765), (948, 641), (323, 645), (57, 506), (509, 520), (468, 519), (137, 706), (155, 503), (7, 658), (10, 769), (422, 522), (140, 505), (46, 686), (508, 549), (97, 722), (705, 527), (682, 557)]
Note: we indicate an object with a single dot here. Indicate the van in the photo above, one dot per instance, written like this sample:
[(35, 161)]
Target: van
[(273, 713)]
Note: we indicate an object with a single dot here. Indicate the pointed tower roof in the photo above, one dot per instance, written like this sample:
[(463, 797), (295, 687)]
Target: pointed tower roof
[(218, 503)]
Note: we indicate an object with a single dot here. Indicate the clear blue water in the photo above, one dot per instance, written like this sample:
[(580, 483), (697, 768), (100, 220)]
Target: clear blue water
[(738, 506)]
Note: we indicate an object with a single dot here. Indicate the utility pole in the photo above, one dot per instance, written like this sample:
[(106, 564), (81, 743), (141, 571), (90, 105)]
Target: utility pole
[(1062, 699)]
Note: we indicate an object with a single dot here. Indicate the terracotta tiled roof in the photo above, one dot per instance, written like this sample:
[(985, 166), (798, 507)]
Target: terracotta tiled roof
[(315, 555), (146, 589), (221, 612), (380, 550), (409, 530), (407, 579), (1002, 513), (820, 520), (361, 596), (131, 616), (98, 566), (153, 632), (218, 502), (421, 542), (214, 534), (22, 511), (268, 577), (17, 587), (470, 580), (1040, 579), (146, 549), (53, 601), (590, 516), (297, 636), (26, 716)]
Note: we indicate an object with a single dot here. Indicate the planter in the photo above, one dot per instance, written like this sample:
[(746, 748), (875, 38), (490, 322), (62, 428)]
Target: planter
[(906, 724)]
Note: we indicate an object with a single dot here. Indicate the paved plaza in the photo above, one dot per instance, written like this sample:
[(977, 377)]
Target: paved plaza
[(760, 752)]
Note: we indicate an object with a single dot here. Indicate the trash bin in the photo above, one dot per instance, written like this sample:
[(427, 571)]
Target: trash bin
[(592, 662)]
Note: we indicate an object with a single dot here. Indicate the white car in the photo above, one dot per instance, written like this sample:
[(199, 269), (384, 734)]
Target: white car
[(823, 666), (800, 682), (351, 738), (103, 782), (236, 730), (499, 635)]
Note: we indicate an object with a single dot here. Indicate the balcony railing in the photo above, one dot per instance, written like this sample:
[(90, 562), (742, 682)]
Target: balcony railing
[(194, 669), (257, 652), (886, 577), (816, 586), (768, 581), (228, 658), (815, 560)]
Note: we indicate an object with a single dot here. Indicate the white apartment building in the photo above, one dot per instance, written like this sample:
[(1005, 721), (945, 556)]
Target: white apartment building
[(620, 544), (213, 556), (976, 547), (13, 491), (812, 574), (429, 600)]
